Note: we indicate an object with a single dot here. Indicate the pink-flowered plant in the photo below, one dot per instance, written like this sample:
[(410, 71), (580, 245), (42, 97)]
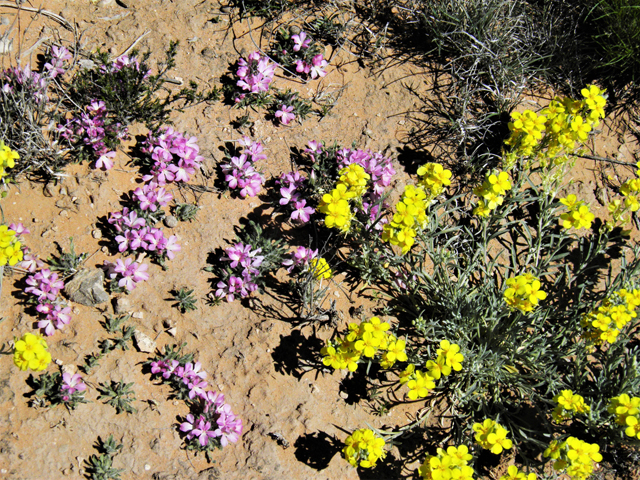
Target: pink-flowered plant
[(255, 73), (128, 272), (71, 384), (240, 172), (300, 257)]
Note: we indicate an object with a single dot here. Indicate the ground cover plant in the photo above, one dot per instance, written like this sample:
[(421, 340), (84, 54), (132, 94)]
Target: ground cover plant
[(476, 306)]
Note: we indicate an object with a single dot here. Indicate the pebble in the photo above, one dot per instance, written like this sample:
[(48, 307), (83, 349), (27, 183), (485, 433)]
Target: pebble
[(63, 191), (96, 234), (226, 9), (294, 30), (104, 249), (344, 395), (138, 315), (147, 467), (123, 305), (64, 214), (170, 221), (49, 190)]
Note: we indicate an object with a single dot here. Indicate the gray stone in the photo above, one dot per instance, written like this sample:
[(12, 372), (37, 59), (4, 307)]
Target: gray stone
[(123, 305), (86, 288), (170, 221), (294, 30)]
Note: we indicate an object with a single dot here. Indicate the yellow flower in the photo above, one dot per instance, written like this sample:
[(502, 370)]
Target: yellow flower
[(320, 268)]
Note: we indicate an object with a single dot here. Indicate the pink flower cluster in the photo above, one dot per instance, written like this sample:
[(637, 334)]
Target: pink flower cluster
[(55, 66), (130, 273), (134, 233), (176, 157), (214, 420), (255, 74), (290, 183), (45, 285), (300, 257), (71, 384), (121, 63), (91, 130), (245, 261), (240, 172), (315, 69), (285, 114), (25, 82)]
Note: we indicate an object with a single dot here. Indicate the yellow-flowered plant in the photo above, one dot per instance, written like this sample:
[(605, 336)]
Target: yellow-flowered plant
[(363, 448), (492, 436), (568, 403), (352, 184), (410, 216), (605, 323), (491, 193), (573, 456), (627, 412), (578, 215), (514, 474), (10, 248), (31, 352), (523, 292), (434, 178), (320, 268), (449, 464), (7, 159)]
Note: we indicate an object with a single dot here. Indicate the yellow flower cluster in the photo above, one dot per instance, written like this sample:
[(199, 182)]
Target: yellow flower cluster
[(7, 159), (523, 292), (320, 268), (578, 215), (31, 351), (434, 178), (514, 474), (526, 131), (564, 121), (335, 205), (451, 463), (448, 358), (605, 322), (10, 247), (420, 382), (492, 436), (568, 403), (574, 456), (491, 193), (366, 339), (363, 448), (411, 214), (627, 412), (621, 210)]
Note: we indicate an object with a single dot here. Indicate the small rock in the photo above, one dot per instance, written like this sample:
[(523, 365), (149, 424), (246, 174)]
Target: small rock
[(64, 214), (66, 472), (63, 191), (143, 342), (58, 362), (138, 315), (147, 467), (123, 305), (168, 323), (35, 220), (49, 190), (86, 288), (170, 221), (96, 234), (226, 9), (172, 331), (294, 30), (104, 249), (344, 395), (105, 3)]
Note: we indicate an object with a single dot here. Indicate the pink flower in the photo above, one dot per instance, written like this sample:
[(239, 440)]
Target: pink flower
[(302, 213), (285, 114), (19, 228), (105, 162), (318, 65), (300, 41)]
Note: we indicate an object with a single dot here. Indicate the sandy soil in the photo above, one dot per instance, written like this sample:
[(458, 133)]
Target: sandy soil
[(251, 352)]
